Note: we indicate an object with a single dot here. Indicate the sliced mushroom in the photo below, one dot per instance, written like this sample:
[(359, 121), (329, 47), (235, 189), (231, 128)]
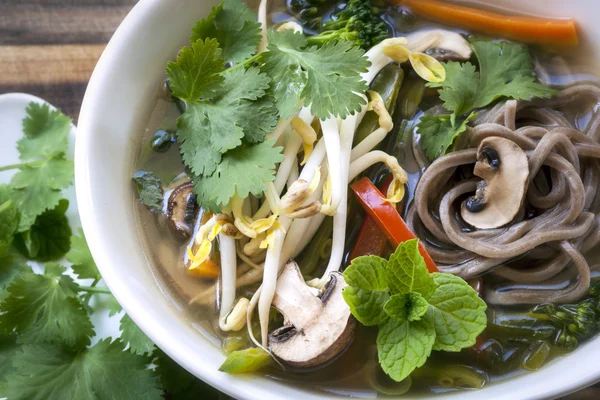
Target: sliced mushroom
[(441, 44), (316, 329), (505, 169), (182, 209)]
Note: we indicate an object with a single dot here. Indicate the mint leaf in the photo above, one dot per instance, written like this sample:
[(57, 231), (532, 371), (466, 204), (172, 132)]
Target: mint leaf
[(245, 361), (438, 132), (132, 335), (234, 26), (406, 270), (102, 372), (81, 258), (45, 308), (409, 306), (458, 313), (402, 347), (150, 190), (368, 289), (327, 78), (49, 238), (46, 133), (9, 219), (197, 72), (207, 129), (243, 170)]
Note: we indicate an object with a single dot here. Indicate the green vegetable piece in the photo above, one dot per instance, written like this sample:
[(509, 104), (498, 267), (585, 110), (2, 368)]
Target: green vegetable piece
[(102, 372), (406, 271), (245, 361), (409, 306), (12, 263), (368, 289), (45, 172), (458, 313), (234, 26), (536, 356), (453, 376), (327, 78), (81, 258), (46, 308), (162, 141), (402, 347), (179, 384), (138, 342), (149, 190), (439, 132), (9, 219), (241, 111), (49, 238), (382, 383), (243, 170), (8, 348), (197, 72), (235, 342)]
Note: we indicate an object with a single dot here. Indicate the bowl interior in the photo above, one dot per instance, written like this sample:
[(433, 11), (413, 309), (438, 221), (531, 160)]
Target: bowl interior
[(117, 104)]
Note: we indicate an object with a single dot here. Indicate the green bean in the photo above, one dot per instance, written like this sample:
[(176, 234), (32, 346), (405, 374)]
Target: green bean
[(317, 248), (387, 83), (410, 97), (235, 342), (536, 356), (383, 384), (521, 333)]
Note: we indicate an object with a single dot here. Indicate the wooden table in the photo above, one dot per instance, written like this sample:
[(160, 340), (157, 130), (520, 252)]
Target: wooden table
[(49, 48)]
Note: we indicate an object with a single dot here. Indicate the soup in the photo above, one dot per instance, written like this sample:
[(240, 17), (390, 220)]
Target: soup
[(374, 199)]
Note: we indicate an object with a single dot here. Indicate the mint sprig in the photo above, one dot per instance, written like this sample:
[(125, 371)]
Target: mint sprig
[(416, 312)]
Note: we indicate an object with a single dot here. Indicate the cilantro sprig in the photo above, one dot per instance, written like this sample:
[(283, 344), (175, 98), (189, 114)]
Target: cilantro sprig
[(416, 312), (234, 97), (504, 70)]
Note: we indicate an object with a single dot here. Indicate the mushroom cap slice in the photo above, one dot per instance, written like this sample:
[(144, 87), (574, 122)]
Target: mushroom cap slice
[(505, 168), (182, 209), (316, 329), (441, 44)]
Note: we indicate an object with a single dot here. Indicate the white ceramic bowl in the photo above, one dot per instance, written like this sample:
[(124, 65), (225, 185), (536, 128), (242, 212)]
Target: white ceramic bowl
[(116, 106)]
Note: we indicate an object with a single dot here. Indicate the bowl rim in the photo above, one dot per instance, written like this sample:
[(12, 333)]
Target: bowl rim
[(243, 388)]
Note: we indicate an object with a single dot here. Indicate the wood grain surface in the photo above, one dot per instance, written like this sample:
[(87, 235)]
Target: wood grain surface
[(49, 48)]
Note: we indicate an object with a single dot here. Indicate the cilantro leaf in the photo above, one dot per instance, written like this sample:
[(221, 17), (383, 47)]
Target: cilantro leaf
[(8, 348), (458, 313), (438, 133), (45, 308), (197, 72), (245, 361), (102, 372), (12, 264), (243, 170), (81, 258), (406, 270), (368, 289), (132, 335), (49, 238), (180, 384), (402, 347), (149, 190), (9, 219), (406, 307), (113, 306), (38, 188), (207, 129), (459, 88), (327, 78), (46, 133), (234, 26)]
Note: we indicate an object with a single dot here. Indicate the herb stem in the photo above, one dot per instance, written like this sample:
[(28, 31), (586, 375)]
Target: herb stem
[(92, 289), (21, 165)]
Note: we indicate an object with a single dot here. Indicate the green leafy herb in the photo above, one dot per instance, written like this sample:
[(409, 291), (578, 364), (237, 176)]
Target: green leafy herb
[(505, 71), (149, 190), (46, 308), (245, 361), (81, 258), (132, 335), (326, 78), (12, 263), (9, 219), (44, 171), (416, 312), (104, 371), (49, 238), (235, 28)]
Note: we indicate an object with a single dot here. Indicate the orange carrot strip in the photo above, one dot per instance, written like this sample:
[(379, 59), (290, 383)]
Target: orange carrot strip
[(524, 29)]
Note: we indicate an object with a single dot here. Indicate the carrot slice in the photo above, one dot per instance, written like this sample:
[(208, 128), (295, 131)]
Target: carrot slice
[(525, 29)]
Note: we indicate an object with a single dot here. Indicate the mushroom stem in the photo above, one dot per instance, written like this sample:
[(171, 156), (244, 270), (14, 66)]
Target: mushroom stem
[(227, 249)]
